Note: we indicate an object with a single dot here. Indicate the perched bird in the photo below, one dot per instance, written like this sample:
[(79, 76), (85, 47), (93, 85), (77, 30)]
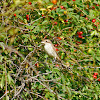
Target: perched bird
[(50, 49)]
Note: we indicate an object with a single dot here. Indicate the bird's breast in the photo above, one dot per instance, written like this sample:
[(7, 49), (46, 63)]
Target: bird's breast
[(49, 49)]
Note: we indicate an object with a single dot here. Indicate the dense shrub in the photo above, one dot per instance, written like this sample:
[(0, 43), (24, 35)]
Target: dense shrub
[(27, 72)]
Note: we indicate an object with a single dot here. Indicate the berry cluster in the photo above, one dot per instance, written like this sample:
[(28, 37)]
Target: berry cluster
[(95, 76), (80, 34)]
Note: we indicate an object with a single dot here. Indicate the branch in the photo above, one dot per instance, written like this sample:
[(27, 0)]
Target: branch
[(21, 87)]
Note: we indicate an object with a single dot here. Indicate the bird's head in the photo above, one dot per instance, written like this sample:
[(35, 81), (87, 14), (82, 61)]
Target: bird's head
[(46, 41)]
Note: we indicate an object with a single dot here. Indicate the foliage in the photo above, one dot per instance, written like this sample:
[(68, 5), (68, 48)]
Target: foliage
[(74, 28)]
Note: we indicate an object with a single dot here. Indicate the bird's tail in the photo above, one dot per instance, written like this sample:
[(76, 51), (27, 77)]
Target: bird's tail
[(58, 58)]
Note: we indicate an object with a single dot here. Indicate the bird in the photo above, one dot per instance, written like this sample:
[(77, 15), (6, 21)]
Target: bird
[(50, 49)]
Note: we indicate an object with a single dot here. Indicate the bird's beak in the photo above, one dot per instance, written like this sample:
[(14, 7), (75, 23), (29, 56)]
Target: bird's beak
[(43, 42)]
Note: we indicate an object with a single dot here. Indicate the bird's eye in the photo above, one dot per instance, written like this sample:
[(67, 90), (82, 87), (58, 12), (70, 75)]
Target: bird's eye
[(46, 41)]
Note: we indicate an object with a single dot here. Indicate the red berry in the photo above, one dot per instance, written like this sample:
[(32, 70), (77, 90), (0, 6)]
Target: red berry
[(99, 79), (55, 23), (74, 0), (14, 14), (86, 18), (27, 16), (80, 33), (93, 7), (95, 74), (29, 3), (42, 15), (77, 32), (79, 42), (56, 45), (52, 8), (59, 38), (55, 8), (66, 20), (80, 36), (57, 65), (87, 6), (93, 20), (36, 64), (97, 23), (57, 49), (75, 50), (54, 1), (97, 4), (62, 7)]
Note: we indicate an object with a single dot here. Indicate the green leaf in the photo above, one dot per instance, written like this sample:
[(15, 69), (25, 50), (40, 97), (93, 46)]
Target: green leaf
[(52, 34), (2, 45), (1, 58), (53, 12), (33, 37), (40, 86), (2, 81), (84, 29), (70, 9), (62, 55), (98, 58), (63, 78), (47, 95), (99, 28), (64, 3), (74, 32), (45, 22), (25, 40), (46, 56), (86, 12), (89, 26), (51, 94), (20, 17), (94, 32), (92, 14), (26, 35), (69, 92), (9, 78), (56, 70), (96, 96)]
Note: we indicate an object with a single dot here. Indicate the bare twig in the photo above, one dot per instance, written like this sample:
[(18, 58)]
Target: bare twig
[(21, 87), (6, 94)]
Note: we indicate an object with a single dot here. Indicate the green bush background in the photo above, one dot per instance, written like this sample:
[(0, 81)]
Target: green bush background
[(25, 71)]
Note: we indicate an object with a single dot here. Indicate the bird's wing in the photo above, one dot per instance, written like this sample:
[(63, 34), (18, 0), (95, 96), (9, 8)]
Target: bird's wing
[(56, 53)]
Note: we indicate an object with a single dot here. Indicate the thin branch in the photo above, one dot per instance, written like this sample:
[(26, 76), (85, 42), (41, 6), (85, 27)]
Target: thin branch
[(38, 95), (6, 94), (21, 88)]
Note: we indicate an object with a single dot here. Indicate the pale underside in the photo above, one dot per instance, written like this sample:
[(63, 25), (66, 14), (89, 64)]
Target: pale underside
[(50, 50)]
